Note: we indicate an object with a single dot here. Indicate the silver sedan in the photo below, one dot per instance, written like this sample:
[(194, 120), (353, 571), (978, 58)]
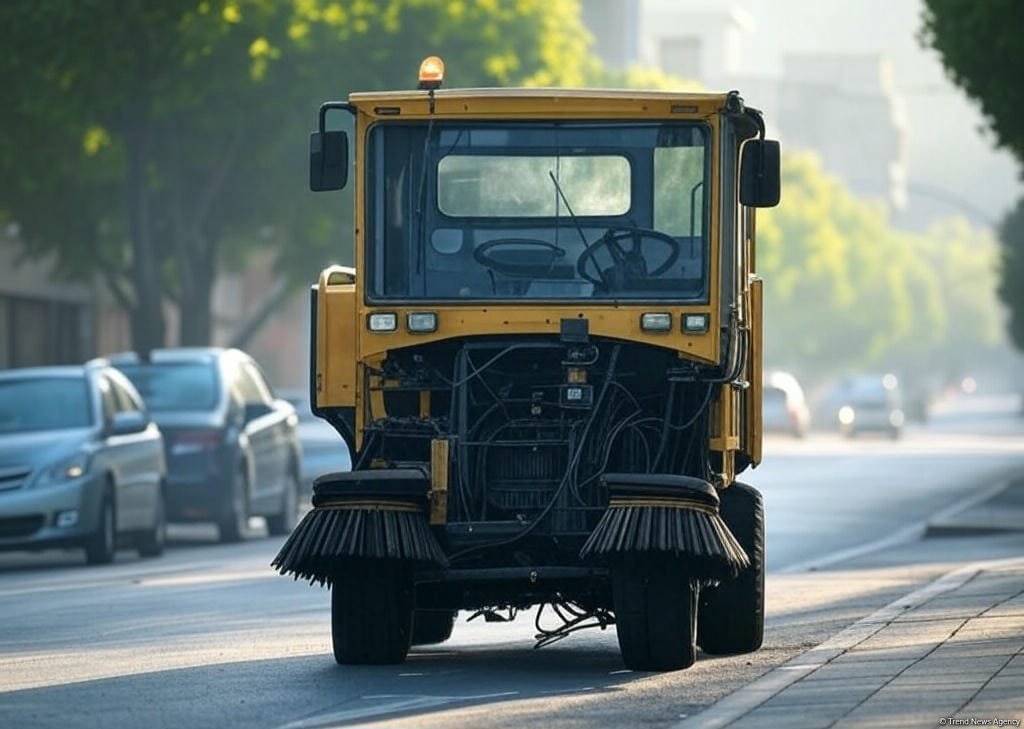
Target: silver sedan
[(81, 464)]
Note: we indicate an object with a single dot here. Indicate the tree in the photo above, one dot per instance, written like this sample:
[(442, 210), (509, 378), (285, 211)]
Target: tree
[(1011, 287), (151, 142), (982, 49)]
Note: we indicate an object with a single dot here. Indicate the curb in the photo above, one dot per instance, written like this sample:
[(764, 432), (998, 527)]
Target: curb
[(744, 700), (975, 517)]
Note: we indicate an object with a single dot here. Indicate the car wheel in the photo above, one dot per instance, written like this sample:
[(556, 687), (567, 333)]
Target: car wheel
[(284, 521), (153, 541), (235, 521), (101, 546)]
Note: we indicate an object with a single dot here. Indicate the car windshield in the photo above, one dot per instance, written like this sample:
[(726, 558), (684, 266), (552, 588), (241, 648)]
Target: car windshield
[(538, 210), (176, 386), (44, 403)]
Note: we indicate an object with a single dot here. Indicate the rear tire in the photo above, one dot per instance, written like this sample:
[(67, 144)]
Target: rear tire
[(655, 614), (430, 627), (152, 542), (234, 523), (371, 612), (102, 545), (732, 613), (283, 522)]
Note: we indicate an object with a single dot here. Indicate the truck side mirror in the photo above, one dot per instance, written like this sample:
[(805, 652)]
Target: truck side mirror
[(760, 176), (328, 161)]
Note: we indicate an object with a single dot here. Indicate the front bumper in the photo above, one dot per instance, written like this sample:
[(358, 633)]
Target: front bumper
[(29, 516)]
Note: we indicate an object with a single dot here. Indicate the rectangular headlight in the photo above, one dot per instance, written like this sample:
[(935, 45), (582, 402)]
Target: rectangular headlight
[(656, 322), (695, 323), (386, 322), (421, 321)]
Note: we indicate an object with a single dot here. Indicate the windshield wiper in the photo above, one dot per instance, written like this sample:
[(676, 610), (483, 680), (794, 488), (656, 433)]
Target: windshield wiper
[(575, 220)]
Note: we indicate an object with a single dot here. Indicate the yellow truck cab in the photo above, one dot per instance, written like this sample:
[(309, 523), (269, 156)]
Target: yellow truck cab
[(547, 365)]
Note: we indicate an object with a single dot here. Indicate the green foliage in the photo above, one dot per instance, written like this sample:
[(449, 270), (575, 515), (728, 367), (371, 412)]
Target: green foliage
[(982, 48), (151, 142), (845, 290), (1011, 287)]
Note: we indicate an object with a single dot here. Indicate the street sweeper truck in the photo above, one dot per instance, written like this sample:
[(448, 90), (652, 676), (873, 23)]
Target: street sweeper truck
[(546, 363)]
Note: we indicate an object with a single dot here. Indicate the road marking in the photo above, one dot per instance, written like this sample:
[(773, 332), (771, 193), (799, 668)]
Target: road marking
[(742, 701), (909, 533), (388, 704)]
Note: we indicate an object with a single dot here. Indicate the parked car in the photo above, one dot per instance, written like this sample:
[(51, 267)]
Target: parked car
[(323, 450), (81, 464), (783, 405), (232, 447), (871, 403)]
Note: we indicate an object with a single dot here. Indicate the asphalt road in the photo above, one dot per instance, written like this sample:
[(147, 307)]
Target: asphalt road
[(209, 636)]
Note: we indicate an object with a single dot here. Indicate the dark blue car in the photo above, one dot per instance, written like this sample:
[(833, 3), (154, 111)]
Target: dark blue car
[(231, 445)]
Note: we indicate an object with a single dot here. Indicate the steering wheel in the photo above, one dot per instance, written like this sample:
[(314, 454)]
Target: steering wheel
[(631, 262), (481, 254)]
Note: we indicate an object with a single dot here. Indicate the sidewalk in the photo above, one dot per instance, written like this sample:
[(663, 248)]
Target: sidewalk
[(948, 654)]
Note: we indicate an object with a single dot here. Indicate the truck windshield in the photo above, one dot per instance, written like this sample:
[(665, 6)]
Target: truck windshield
[(537, 211)]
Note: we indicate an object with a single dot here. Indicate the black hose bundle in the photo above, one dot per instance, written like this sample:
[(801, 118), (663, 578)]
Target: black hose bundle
[(663, 513), (360, 515)]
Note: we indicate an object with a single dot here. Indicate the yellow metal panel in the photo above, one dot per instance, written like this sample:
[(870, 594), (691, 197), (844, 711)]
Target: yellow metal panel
[(538, 103), (438, 481), (620, 322), (335, 340), (753, 432)]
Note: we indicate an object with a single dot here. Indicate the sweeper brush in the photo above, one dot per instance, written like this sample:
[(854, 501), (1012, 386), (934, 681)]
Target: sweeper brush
[(351, 521), (674, 515)]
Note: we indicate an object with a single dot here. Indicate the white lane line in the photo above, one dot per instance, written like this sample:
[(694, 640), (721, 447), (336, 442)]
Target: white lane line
[(910, 533), (741, 702), (388, 704)]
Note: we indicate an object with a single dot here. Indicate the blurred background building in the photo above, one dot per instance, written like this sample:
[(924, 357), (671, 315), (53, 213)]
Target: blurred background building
[(849, 82)]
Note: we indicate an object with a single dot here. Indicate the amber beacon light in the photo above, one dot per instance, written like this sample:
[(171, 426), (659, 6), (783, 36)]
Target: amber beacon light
[(431, 72)]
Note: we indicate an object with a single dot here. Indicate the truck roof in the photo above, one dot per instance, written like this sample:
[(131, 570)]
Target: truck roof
[(509, 102)]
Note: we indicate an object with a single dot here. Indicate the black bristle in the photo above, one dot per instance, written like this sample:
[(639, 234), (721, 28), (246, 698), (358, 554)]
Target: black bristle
[(700, 539), (326, 536)]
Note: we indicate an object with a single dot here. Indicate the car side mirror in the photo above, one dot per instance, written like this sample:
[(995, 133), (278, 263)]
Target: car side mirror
[(328, 161), (760, 173), (128, 423), (255, 410)]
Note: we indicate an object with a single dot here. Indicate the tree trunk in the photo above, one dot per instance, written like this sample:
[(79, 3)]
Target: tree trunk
[(196, 309), (147, 319)]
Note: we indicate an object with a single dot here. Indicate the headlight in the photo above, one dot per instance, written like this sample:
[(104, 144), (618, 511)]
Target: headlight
[(695, 323), (846, 415), (656, 321), (421, 321), (67, 469), (382, 322)]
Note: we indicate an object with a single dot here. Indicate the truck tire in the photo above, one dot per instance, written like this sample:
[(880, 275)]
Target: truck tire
[(430, 627), (732, 613), (371, 612), (655, 614)]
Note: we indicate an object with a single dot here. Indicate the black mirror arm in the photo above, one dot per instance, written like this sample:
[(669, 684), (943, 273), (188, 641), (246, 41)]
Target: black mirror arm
[(328, 106)]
